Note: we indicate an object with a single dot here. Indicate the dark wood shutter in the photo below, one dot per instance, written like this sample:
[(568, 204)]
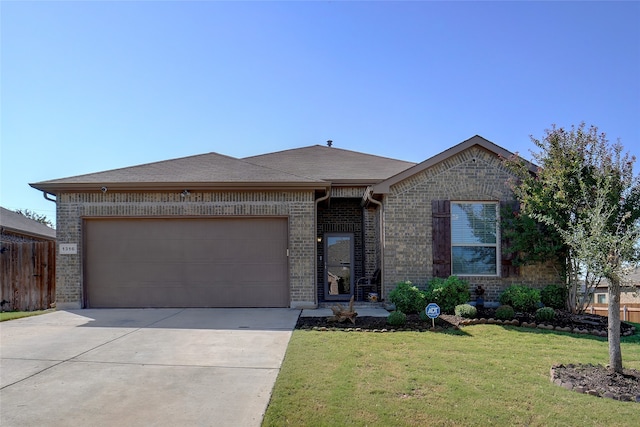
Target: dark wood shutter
[(441, 230), (508, 268)]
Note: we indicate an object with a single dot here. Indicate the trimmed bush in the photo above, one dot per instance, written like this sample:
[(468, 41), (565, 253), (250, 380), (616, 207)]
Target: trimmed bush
[(521, 298), (407, 298), (554, 296), (466, 310), (397, 318), (545, 314), (423, 316), (447, 293), (505, 312)]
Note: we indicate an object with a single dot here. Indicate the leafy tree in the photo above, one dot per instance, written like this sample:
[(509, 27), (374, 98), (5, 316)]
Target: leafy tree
[(35, 216), (605, 242), (554, 199), (586, 193)]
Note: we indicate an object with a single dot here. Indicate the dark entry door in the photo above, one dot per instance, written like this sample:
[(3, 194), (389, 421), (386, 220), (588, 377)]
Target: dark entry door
[(338, 266)]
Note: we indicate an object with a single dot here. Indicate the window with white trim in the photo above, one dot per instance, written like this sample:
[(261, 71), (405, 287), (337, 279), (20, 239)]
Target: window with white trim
[(475, 238)]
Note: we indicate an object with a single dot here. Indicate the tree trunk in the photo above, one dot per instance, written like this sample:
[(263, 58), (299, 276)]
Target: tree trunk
[(615, 352)]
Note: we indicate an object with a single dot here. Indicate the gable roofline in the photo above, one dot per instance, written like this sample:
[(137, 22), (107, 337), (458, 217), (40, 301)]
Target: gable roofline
[(477, 140)]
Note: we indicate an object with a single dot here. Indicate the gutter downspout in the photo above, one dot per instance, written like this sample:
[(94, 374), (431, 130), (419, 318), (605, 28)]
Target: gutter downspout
[(367, 197), (315, 244), (45, 195)]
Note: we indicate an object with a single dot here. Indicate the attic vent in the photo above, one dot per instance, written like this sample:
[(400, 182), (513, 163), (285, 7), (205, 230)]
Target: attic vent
[(329, 143)]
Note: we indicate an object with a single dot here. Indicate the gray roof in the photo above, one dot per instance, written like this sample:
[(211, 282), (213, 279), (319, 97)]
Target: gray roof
[(205, 170), (332, 164), (308, 167), (20, 224)]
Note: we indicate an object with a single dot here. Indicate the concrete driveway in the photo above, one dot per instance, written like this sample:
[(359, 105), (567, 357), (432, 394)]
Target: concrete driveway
[(151, 367)]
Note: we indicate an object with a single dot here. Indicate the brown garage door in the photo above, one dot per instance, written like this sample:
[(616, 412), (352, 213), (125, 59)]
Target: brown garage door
[(186, 262)]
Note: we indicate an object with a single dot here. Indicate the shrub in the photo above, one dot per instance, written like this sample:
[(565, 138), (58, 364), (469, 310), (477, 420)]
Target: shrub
[(545, 314), (521, 298), (466, 310), (554, 296), (423, 316), (505, 312), (397, 318), (407, 298), (447, 293)]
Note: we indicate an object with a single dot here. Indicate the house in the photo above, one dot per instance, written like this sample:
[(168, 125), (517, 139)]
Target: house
[(294, 228), (629, 293), (15, 227), (27, 263)]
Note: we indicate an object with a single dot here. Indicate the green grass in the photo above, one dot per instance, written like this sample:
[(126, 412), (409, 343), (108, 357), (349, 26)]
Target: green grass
[(483, 375), (10, 315)]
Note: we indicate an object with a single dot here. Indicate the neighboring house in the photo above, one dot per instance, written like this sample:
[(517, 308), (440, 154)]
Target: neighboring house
[(629, 293), (294, 228), (27, 263), (15, 227)]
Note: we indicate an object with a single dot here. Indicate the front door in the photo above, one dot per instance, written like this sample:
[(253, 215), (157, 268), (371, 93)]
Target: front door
[(338, 266)]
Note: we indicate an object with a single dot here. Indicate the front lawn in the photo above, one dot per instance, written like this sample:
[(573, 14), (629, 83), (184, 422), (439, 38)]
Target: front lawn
[(10, 315), (482, 375)]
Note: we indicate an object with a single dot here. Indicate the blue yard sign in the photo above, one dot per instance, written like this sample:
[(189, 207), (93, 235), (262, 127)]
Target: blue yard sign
[(433, 311)]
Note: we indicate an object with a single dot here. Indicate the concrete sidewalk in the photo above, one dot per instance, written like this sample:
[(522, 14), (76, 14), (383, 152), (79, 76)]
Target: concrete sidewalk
[(160, 367)]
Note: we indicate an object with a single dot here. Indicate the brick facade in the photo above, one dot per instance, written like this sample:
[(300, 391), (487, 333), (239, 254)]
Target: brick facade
[(298, 207), (474, 175)]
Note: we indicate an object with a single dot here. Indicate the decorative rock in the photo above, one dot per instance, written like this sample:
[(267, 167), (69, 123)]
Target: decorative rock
[(482, 320), (580, 389), (593, 392), (491, 321)]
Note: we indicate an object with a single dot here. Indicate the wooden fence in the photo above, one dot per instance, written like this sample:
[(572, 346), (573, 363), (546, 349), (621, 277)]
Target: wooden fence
[(27, 275), (628, 312)]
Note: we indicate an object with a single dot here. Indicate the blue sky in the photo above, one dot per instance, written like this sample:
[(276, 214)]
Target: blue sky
[(91, 86)]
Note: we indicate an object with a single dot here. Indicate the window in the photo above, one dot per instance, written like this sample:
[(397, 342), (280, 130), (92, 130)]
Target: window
[(601, 298), (474, 238)]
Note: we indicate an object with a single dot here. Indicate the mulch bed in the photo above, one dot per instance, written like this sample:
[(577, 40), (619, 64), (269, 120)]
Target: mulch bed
[(563, 322)]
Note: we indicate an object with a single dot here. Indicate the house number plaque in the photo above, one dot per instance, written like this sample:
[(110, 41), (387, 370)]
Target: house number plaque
[(68, 248)]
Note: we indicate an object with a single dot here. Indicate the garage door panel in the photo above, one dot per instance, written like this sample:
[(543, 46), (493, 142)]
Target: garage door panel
[(186, 262)]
